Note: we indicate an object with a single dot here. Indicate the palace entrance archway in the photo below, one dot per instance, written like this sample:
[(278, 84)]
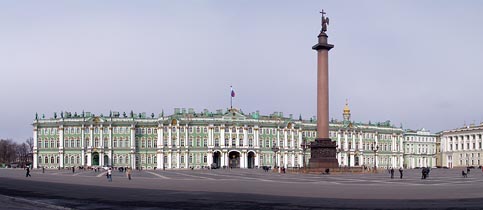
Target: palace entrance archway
[(234, 159), (95, 159), (251, 160), (216, 160)]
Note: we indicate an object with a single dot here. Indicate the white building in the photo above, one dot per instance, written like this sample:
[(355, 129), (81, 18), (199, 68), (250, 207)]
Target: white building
[(420, 149), (462, 147)]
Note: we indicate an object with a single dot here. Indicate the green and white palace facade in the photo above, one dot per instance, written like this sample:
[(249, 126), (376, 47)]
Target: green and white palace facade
[(188, 139)]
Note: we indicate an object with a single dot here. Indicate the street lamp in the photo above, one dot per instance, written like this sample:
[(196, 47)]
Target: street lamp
[(375, 149), (275, 149), (304, 146)]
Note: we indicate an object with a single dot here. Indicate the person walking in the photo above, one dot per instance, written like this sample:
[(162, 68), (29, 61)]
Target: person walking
[(28, 172), (392, 173), (43, 169), (128, 172), (109, 175), (73, 169), (401, 172)]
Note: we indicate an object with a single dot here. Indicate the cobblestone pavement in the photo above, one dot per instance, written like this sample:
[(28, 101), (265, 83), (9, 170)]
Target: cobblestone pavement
[(245, 189)]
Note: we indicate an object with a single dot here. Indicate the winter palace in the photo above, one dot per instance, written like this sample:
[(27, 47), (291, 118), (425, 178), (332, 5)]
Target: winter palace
[(225, 138)]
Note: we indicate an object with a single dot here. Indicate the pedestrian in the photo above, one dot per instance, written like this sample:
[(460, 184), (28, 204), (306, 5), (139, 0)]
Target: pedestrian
[(28, 173), (109, 175), (423, 172), (73, 169), (43, 169), (464, 174), (468, 170), (401, 172), (392, 173), (129, 171)]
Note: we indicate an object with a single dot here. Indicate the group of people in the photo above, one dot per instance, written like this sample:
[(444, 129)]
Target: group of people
[(391, 171), (128, 173)]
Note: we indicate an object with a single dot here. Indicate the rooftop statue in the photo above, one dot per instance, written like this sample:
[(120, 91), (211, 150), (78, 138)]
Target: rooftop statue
[(36, 116), (325, 21)]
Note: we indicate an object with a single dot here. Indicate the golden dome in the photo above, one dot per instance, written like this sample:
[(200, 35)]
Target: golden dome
[(346, 108)]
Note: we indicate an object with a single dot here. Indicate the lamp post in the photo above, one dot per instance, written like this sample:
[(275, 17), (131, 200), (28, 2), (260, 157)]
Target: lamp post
[(275, 149), (304, 146), (375, 149)]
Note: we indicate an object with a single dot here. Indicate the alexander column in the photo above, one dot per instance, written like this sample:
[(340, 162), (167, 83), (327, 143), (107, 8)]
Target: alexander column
[(323, 149)]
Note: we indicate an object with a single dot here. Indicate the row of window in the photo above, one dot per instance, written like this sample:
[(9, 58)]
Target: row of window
[(461, 146), (420, 139)]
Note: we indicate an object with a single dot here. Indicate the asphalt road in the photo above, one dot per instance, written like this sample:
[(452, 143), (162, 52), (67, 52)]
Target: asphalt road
[(244, 189)]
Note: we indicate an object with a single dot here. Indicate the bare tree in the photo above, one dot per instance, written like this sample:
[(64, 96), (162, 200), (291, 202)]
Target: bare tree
[(30, 144)]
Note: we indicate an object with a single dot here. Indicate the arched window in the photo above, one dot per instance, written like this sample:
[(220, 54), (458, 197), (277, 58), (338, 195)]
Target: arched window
[(155, 160), (96, 142), (46, 160), (78, 143), (115, 159), (52, 143), (149, 159), (149, 143), (72, 160), (105, 142), (51, 159), (78, 160), (115, 142), (39, 143), (40, 159), (143, 143)]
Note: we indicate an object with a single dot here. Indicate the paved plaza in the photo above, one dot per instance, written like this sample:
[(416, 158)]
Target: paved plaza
[(243, 189)]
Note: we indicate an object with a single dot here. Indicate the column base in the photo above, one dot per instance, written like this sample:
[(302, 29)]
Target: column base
[(323, 154)]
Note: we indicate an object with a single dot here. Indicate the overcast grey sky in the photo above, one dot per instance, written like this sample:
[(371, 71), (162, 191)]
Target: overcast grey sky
[(418, 63)]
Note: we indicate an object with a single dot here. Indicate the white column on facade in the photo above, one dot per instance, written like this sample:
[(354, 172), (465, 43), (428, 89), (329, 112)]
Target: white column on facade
[(186, 142), (338, 141), (346, 142), (178, 159), (101, 159), (222, 137), (35, 152), (237, 140), (285, 159), (223, 163), (285, 139), (300, 140), (209, 158), (353, 141), (101, 139), (226, 159), (178, 141), (159, 141), (170, 141), (292, 139), (110, 141), (210, 136), (186, 159), (245, 137), (169, 159), (230, 131), (91, 139), (243, 159), (255, 137), (257, 159), (293, 159), (61, 146), (361, 147), (133, 138)]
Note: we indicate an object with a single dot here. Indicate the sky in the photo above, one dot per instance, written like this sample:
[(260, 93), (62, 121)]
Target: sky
[(415, 63)]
